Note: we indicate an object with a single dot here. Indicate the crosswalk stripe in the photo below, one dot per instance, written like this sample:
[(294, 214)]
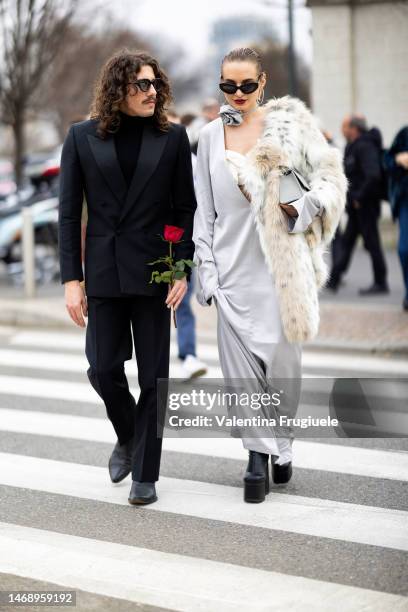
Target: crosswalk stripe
[(76, 341), (295, 514), (386, 420), (47, 388), (60, 362), (308, 455), (43, 340), (63, 340), (208, 351), (158, 578), (67, 391), (367, 462), (44, 361), (72, 361)]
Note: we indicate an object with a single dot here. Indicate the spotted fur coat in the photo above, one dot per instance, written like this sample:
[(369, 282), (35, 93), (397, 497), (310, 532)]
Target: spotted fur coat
[(292, 139)]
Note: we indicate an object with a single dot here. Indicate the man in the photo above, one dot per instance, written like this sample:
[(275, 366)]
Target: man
[(191, 365), (134, 169), (362, 161)]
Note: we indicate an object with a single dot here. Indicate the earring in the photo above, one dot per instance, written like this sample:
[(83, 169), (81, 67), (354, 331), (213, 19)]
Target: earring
[(260, 100), (221, 98)]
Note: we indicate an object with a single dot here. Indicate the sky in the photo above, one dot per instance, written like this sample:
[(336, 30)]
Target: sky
[(189, 21)]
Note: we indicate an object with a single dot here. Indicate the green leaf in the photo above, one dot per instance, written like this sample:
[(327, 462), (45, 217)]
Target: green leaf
[(158, 279), (166, 276), (179, 274), (189, 262)]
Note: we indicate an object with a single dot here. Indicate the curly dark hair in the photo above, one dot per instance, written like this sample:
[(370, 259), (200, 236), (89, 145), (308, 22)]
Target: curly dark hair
[(111, 90)]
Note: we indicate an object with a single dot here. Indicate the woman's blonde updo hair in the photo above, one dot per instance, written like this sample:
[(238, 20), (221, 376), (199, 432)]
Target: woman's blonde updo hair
[(244, 54)]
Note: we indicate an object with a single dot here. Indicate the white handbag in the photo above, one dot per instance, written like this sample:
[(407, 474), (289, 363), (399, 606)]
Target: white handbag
[(292, 186)]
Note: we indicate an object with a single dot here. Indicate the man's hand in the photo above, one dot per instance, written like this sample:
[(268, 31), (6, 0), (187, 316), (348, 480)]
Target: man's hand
[(176, 293), (75, 302), (402, 159), (289, 209)]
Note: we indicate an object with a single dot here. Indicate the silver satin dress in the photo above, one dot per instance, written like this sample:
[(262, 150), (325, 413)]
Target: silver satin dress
[(232, 270), (251, 343)]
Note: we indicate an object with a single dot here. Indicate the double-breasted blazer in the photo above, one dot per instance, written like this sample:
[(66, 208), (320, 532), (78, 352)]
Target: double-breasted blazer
[(124, 224)]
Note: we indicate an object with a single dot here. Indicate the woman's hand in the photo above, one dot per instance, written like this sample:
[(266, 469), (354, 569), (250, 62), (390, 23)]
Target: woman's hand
[(289, 209), (176, 293), (402, 159)]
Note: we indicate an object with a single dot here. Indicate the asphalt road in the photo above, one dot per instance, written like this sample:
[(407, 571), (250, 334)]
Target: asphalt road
[(334, 538)]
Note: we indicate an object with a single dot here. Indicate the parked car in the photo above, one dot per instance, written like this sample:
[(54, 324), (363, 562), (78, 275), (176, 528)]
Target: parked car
[(43, 168), (45, 222)]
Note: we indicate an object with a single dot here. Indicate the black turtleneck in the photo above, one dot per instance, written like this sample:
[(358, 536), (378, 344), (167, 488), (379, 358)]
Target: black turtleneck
[(128, 139)]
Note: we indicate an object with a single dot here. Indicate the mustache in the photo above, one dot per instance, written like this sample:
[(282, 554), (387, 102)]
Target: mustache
[(149, 100)]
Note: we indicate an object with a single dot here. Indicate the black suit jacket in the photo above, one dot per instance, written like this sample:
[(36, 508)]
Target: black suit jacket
[(123, 224)]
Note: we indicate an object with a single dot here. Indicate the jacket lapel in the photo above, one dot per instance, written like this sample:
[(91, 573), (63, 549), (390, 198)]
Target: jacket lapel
[(151, 149), (104, 152)]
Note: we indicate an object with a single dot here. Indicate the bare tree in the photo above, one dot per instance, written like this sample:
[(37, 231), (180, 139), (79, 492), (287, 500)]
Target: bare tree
[(275, 62), (73, 73), (185, 82), (32, 33)]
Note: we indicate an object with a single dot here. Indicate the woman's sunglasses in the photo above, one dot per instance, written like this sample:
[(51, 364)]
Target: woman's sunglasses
[(246, 88), (144, 84)]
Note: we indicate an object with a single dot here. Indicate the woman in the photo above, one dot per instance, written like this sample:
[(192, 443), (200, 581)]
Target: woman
[(259, 259)]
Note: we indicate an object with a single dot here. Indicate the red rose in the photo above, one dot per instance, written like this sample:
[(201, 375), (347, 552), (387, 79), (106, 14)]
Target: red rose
[(173, 233)]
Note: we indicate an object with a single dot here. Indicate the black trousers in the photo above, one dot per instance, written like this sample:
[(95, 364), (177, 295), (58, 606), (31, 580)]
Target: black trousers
[(364, 223), (111, 321)]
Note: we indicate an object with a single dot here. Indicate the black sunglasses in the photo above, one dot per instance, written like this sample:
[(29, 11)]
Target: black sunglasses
[(246, 88), (144, 84)]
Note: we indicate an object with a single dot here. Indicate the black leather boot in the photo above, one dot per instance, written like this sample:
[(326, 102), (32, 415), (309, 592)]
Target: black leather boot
[(142, 493), (120, 461), (256, 479), (375, 289), (281, 473)]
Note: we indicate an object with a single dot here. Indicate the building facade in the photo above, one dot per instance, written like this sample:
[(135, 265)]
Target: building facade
[(360, 63)]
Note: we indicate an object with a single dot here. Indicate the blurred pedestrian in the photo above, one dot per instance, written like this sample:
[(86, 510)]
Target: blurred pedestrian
[(191, 366), (187, 119), (363, 168), (209, 112), (396, 164)]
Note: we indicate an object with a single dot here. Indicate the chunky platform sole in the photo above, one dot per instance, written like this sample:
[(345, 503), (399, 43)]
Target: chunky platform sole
[(256, 490)]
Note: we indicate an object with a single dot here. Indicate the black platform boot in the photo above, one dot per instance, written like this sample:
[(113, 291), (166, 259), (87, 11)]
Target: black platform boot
[(281, 473), (256, 479)]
